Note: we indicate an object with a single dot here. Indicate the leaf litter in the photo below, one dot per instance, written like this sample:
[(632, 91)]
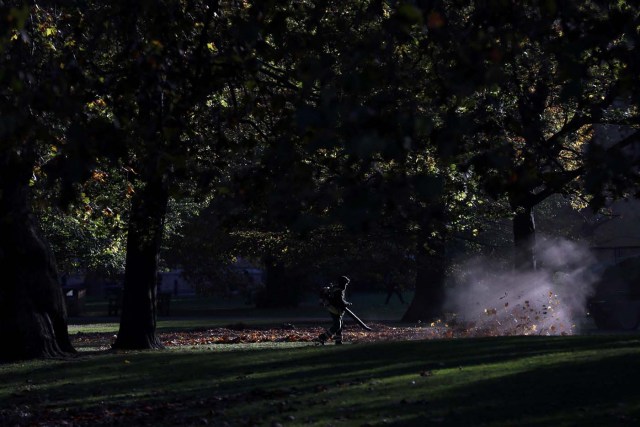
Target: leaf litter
[(248, 335)]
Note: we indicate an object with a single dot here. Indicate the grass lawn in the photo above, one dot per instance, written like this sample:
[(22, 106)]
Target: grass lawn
[(507, 381), (210, 312), (368, 305)]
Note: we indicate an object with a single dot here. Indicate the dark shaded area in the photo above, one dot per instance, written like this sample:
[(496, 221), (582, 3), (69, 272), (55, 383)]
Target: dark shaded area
[(385, 120), (33, 320), (139, 298), (616, 302)]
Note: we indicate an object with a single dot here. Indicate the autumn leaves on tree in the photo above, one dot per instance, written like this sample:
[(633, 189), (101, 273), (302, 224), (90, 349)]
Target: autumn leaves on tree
[(294, 126)]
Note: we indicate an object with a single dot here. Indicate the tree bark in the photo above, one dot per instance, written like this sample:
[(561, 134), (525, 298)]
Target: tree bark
[(278, 292), (428, 300), (524, 238), (139, 300), (33, 319)]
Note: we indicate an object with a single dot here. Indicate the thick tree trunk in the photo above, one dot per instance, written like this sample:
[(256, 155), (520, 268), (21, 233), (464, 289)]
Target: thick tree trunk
[(428, 299), (33, 320), (278, 292), (139, 302), (524, 238), (429, 294)]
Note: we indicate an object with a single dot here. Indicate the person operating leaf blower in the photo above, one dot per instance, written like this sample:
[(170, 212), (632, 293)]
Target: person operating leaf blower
[(333, 297)]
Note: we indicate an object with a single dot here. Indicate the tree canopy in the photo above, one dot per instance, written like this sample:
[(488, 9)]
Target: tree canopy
[(293, 133)]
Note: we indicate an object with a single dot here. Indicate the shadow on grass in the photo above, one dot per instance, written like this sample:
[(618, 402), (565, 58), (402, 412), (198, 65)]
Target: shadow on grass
[(596, 392), (509, 380)]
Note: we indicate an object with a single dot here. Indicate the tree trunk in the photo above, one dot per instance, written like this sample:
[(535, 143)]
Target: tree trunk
[(428, 299), (524, 238), (278, 292), (139, 300), (33, 319)]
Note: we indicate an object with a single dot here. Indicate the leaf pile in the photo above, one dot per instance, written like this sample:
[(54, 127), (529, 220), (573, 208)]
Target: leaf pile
[(546, 316), (521, 318), (235, 334)]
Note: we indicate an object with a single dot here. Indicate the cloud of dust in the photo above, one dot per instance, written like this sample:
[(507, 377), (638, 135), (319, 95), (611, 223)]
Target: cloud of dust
[(549, 301)]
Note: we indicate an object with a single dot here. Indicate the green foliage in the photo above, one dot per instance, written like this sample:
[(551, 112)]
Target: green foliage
[(328, 134), (87, 230), (408, 108), (558, 81)]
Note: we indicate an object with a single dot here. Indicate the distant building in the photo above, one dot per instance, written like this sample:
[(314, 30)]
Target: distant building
[(172, 282), (245, 276), (617, 236)]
